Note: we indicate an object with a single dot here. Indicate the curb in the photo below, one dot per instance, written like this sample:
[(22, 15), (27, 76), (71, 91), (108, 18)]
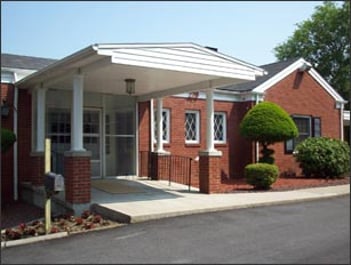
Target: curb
[(24, 241), (19, 242)]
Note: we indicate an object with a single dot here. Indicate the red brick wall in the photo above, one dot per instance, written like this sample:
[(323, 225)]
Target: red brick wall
[(24, 135), (209, 172), (77, 179), (307, 98), (237, 152), (37, 168), (7, 93)]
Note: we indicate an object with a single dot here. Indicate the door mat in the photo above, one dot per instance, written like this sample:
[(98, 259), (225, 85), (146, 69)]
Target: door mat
[(114, 186)]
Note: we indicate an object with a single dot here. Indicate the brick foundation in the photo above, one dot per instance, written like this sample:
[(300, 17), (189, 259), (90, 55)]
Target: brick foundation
[(159, 166), (210, 172), (37, 168), (77, 177)]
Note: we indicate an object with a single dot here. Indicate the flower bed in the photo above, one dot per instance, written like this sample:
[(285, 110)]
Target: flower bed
[(63, 223)]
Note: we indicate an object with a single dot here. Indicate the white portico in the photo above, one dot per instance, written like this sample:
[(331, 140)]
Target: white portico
[(87, 88)]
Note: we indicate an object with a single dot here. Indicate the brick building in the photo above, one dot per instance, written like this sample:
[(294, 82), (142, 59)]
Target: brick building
[(135, 109)]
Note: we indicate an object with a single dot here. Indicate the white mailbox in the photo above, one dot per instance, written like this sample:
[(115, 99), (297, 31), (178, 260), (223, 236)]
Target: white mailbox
[(54, 182)]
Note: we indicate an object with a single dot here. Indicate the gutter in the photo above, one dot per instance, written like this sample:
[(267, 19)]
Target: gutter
[(15, 151)]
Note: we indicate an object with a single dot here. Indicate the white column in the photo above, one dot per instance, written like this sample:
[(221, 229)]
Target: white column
[(152, 125), (40, 93), (77, 114), (209, 121), (159, 148)]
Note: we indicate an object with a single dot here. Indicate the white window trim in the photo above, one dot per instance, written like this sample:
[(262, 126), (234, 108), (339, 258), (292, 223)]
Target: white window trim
[(167, 140), (224, 141), (197, 128), (168, 122), (307, 117)]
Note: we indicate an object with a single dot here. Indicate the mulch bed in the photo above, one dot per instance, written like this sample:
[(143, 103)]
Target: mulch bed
[(62, 223), (286, 183)]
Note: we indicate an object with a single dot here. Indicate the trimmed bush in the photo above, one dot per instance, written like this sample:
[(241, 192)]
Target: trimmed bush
[(323, 157), (8, 138), (268, 123), (261, 175)]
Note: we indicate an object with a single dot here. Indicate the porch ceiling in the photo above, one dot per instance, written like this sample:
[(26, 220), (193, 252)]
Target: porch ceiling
[(159, 69)]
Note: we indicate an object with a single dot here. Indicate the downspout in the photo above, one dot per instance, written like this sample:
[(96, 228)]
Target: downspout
[(257, 143), (15, 151), (152, 129), (342, 121)]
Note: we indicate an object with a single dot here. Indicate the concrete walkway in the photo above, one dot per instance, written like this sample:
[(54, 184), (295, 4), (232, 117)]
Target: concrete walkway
[(156, 199)]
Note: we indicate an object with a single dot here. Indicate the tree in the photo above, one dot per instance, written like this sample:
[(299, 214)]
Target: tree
[(324, 41), (267, 123)]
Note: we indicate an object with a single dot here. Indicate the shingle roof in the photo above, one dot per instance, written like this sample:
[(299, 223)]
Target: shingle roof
[(24, 62), (272, 69)]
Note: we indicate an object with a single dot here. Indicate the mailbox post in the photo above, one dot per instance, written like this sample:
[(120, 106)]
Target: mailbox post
[(53, 184), (48, 195)]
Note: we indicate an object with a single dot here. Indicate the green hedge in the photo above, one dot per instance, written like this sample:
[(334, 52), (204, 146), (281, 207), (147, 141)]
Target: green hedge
[(8, 138), (323, 157), (261, 175)]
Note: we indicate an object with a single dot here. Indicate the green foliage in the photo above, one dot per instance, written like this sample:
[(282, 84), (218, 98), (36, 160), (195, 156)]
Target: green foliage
[(268, 123), (261, 175), (267, 156), (8, 138), (324, 41), (323, 157)]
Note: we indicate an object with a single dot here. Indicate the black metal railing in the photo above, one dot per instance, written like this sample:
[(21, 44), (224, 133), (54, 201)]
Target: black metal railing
[(173, 168), (179, 169)]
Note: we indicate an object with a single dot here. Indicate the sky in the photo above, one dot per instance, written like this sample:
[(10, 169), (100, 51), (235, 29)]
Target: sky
[(246, 30)]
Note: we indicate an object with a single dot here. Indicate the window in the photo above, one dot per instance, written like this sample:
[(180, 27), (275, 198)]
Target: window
[(307, 127), (192, 126), (220, 127), (59, 128), (317, 127), (165, 125)]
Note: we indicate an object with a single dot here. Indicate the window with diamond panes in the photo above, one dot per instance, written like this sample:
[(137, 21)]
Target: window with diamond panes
[(192, 133), (165, 125), (219, 124)]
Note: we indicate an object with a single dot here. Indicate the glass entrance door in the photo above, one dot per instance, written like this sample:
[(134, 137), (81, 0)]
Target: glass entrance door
[(120, 142), (92, 139)]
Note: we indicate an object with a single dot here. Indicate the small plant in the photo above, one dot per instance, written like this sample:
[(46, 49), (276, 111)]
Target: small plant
[(323, 157), (8, 138), (261, 175)]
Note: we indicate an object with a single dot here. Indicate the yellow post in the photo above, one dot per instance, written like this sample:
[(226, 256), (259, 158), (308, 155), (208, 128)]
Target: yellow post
[(48, 195)]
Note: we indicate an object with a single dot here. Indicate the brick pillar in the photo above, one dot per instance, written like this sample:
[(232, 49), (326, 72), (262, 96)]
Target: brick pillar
[(37, 160), (77, 177), (159, 165), (210, 172)]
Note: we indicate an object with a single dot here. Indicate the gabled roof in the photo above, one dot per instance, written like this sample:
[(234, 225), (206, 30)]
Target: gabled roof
[(160, 69), (278, 71), (272, 69), (24, 62)]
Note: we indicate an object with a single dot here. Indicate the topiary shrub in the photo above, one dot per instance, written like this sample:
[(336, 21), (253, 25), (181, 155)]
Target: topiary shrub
[(261, 175), (267, 123), (8, 138), (323, 157)]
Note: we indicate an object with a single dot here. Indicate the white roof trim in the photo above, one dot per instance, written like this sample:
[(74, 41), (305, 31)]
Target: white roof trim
[(177, 47), (181, 57), (326, 86), (184, 57), (293, 67)]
